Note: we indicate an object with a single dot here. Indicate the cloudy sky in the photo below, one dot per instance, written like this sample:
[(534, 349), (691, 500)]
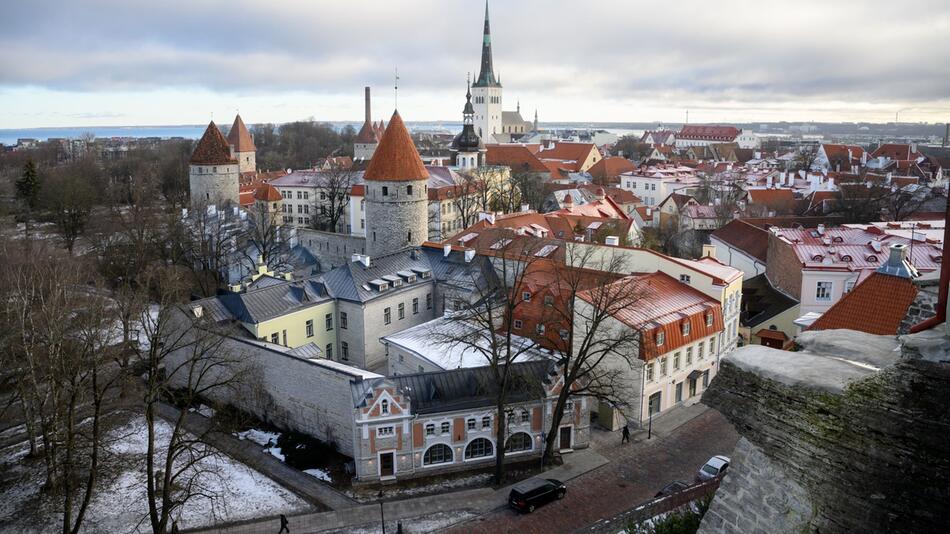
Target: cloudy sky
[(136, 62)]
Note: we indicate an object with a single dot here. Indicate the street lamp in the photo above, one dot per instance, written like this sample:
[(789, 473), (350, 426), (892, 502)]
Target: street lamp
[(650, 426), (382, 517)]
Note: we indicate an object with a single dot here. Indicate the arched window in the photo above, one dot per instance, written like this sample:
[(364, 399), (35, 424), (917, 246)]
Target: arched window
[(518, 442), (439, 453), (478, 448)]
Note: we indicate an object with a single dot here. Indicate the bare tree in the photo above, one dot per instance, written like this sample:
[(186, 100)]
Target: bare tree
[(184, 358), (469, 197), (69, 197), (332, 198), (529, 188), (206, 243)]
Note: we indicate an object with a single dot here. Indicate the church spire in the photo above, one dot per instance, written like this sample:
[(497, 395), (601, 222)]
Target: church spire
[(486, 76)]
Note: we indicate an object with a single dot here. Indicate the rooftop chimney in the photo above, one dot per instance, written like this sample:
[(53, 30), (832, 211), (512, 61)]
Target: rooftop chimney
[(469, 254), (367, 113), (446, 250), (897, 263)]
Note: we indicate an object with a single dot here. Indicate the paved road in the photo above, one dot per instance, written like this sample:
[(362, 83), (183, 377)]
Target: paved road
[(636, 472)]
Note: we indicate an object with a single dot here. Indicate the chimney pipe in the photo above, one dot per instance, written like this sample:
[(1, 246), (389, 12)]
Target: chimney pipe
[(367, 119)]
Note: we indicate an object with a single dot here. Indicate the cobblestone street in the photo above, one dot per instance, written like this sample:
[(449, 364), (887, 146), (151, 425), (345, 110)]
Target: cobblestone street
[(635, 473)]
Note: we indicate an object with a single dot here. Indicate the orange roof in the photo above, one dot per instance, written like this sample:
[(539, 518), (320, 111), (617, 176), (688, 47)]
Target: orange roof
[(775, 199), (875, 306), (838, 151), (239, 137), (611, 167), (396, 158), (569, 151), (605, 208), (898, 151), (267, 193), (212, 148), (518, 157)]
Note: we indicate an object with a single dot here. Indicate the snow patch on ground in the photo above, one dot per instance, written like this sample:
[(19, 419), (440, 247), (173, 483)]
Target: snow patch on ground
[(319, 474), (260, 437)]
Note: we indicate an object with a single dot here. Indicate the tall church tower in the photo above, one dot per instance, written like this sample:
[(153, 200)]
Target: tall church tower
[(486, 92), (467, 146), (397, 197)]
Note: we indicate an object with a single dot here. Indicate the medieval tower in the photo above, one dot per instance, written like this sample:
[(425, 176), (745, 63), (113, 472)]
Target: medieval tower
[(397, 197), (242, 146), (486, 92), (467, 146), (213, 172), (368, 137)]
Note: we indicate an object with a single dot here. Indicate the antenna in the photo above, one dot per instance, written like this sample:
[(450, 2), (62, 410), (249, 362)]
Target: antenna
[(396, 86)]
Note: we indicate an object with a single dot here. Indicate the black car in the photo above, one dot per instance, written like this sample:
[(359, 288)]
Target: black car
[(671, 488), (528, 495)]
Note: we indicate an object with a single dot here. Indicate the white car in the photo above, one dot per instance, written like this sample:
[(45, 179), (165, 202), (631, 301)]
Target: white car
[(715, 467)]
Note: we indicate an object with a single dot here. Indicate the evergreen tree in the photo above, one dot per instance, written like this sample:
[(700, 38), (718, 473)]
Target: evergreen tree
[(28, 185)]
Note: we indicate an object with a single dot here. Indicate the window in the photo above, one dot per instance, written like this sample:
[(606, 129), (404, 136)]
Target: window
[(310, 328), (479, 448), (548, 300), (848, 286), (709, 319), (823, 291), (439, 453), (415, 306), (387, 316), (699, 351), (329, 321), (401, 358), (679, 392), (430, 429), (284, 332), (539, 329), (299, 195), (686, 328), (684, 278), (650, 372), (329, 351), (343, 320), (384, 407), (385, 191), (275, 338), (705, 378), (663, 366), (712, 346), (660, 337), (525, 416), (471, 423), (486, 422), (676, 362), (306, 195), (428, 301), (518, 442), (409, 190), (402, 310), (385, 431), (518, 324), (525, 296), (445, 427), (689, 356), (345, 350)]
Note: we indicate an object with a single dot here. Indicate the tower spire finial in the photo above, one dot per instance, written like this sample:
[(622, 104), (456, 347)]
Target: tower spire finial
[(396, 87), (486, 74)]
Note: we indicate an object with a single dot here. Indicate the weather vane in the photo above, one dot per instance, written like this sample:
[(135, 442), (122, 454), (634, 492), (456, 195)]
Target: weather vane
[(396, 86)]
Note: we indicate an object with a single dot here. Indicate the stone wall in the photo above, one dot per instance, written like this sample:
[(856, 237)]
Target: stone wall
[(330, 248), (923, 306), (860, 427)]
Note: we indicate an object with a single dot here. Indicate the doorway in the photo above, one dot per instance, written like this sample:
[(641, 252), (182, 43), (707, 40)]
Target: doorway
[(565, 441), (655, 400), (386, 465)]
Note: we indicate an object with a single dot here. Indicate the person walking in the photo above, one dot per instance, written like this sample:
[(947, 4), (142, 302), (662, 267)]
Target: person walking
[(283, 525), (626, 435)]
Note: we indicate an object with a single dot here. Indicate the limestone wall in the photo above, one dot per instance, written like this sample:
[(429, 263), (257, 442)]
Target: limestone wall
[(330, 248), (867, 448)]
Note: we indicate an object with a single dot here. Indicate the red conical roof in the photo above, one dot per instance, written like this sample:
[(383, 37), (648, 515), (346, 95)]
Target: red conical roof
[(212, 148), (239, 137), (368, 134), (396, 157)]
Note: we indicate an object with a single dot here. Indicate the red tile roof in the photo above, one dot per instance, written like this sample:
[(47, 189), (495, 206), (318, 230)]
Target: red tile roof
[(239, 137), (267, 193), (663, 304), (518, 157), (568, 151), (743, 236), (369, 133), (605, 208), (854, 249), (773, 199), (212, 148), (840, 152), (709, 133), (611, 167), (875, 306), (895, 151), (396, 157)]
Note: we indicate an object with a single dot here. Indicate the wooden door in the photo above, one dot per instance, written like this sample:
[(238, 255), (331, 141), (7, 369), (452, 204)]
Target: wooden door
[(386, 465), (565, 437)]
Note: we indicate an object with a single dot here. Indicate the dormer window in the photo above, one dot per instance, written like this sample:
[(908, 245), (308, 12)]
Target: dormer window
[(660, 338), (526, 296), (384, 407), (686, 328), (709, 319)]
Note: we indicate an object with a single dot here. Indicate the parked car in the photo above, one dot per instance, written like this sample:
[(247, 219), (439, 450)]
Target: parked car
[(671, 488), (716, 466), (528, 495)]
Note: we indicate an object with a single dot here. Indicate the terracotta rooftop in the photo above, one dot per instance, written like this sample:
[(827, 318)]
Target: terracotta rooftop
[(774, 199), (875, 306), (896, 151), (711, 133), (369, 133), (743, 236), (239, 137), (568, 151), (396, 158), (267, 193), (611, 167), (518, 157), (212, 148)]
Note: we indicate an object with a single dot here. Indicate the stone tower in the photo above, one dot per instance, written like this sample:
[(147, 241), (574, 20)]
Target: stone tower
[(397, 196), (213, 172), (467, 146), (242, 146), (486, 92), (368, 137)]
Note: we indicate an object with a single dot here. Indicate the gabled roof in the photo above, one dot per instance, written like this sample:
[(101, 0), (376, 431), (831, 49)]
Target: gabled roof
[(875, 306), (710, 133), (369, 133), (568, 151), (518, 157), (896, 151), (743, 236), (611, 167), (777, 199), (835, 151), (396, 157), (212, 148), (239, 137), (267, 193)]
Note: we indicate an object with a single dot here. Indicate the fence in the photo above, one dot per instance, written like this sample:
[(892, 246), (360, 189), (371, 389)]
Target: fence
[(652, 508)]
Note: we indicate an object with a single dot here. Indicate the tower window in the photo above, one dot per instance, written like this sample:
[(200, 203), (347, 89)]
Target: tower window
[(410, 236), (408, 189), (385, 191)]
